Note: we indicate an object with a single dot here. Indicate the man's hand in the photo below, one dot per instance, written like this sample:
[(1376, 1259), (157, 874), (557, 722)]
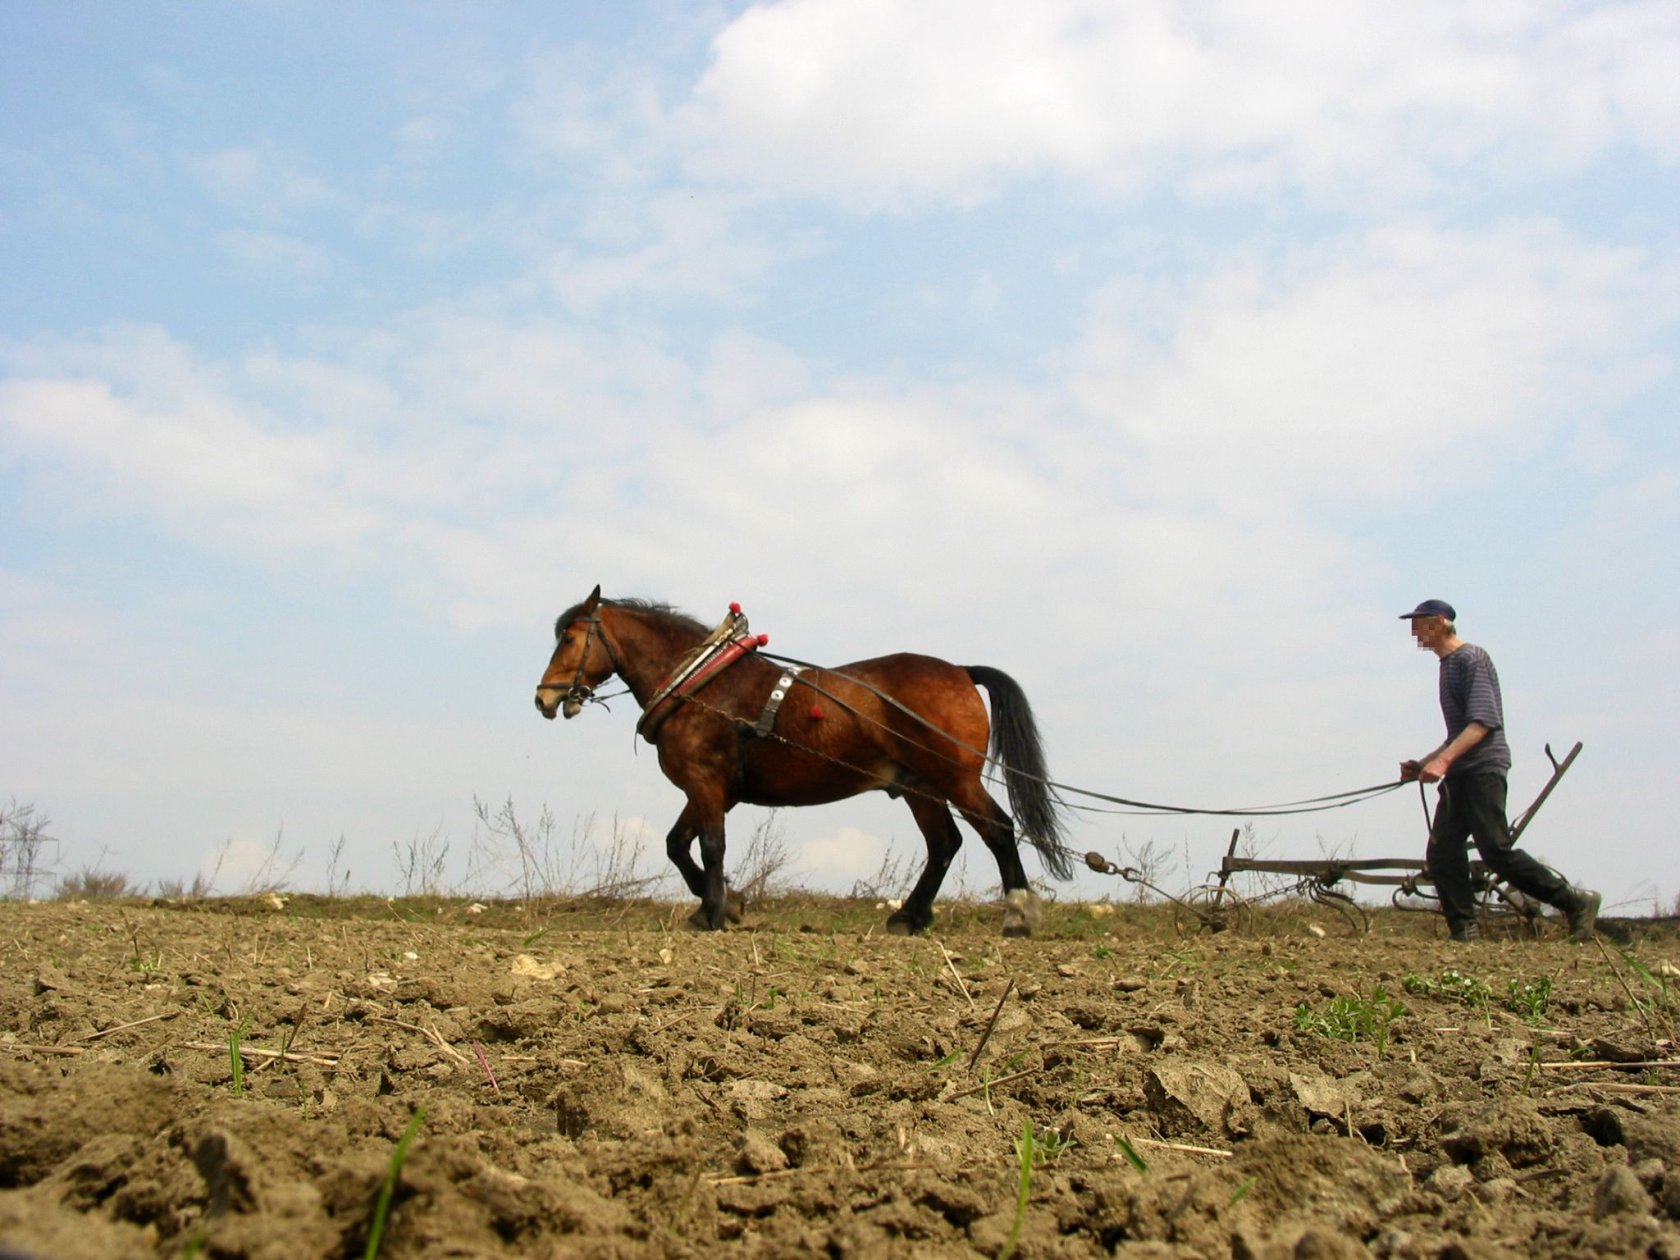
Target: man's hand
[(1434, 770), (1409, 770)]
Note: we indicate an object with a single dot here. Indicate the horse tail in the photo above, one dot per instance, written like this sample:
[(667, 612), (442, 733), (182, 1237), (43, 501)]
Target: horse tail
[(1019, 751)]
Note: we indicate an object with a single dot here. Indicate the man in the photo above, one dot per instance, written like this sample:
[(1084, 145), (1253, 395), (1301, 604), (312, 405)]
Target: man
[(1471, 766)]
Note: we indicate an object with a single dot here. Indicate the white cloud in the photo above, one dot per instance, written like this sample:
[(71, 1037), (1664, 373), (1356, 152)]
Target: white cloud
[(602, 108), (1353, 102), (277, 258), (1194, 435), (204, 465), (691, 245), (1344, 373), (836, 859), (262, 184)]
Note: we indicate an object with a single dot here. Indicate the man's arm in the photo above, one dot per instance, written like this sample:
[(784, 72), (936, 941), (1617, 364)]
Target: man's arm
[(1435, 765)]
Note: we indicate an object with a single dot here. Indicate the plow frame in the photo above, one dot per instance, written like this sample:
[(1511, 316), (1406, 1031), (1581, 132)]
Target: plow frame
[(1328, 882)]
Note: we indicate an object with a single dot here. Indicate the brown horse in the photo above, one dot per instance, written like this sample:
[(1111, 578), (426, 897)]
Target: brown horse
[(908, 725)]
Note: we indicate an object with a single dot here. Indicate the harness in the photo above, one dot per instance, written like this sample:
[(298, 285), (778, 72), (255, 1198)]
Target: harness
[(710, 657), (778, 693)]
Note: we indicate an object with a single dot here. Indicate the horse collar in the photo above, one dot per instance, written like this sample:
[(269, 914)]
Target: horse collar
[(711, 656)]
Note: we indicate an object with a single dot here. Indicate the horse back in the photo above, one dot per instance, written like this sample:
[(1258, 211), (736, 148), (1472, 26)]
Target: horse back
[(916, 698)]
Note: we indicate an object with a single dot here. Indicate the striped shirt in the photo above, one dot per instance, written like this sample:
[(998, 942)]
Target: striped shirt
[(1470, 693)]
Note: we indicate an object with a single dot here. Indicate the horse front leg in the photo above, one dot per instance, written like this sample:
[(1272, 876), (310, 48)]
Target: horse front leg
[(720, 905), (678, 843)]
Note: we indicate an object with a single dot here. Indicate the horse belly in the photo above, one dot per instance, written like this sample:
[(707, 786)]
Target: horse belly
[(780, 776)]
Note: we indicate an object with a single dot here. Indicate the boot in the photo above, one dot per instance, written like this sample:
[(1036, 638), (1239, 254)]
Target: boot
[(1468, 931), (1580, 910)]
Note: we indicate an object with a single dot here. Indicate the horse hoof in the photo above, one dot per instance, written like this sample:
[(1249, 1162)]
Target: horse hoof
[(908, 923), (1021, 913), (734, 907), (701, 921)]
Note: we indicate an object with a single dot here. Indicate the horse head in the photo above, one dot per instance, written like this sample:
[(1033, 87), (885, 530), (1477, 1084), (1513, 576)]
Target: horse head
[(583, 659)]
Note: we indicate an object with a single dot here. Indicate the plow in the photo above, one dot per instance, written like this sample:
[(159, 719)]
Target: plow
[(1330, 883)]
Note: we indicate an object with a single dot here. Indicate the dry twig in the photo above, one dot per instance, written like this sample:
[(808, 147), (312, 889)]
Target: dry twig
[(324, 1058), (961, 987), (781, 1174), (134, 1023), (1181, 1147), (430, 1034), (992, 1084), (991, 1023)]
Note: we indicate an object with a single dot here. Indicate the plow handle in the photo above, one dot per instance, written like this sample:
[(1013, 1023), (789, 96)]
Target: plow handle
[(1559, 768)]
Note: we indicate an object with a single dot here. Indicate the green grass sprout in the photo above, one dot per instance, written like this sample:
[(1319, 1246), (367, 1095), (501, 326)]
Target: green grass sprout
[(1026, 1158), (382, 1208), (1130, 1152), (236, 1061)]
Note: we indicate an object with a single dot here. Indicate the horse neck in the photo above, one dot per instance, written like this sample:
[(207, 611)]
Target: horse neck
[(649, 647)]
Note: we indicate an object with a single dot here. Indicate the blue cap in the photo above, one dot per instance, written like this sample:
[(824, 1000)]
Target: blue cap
[(1431, 608)]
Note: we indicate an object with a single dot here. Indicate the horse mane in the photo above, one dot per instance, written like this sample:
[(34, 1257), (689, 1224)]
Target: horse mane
[(656, 609)]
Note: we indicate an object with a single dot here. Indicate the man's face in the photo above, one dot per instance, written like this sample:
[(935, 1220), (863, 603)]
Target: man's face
[(1428, 631)]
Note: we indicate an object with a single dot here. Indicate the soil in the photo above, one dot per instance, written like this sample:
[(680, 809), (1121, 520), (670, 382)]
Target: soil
[(580, 1081)]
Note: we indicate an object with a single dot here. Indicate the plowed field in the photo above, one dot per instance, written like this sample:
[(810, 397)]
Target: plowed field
[(595, 1081)]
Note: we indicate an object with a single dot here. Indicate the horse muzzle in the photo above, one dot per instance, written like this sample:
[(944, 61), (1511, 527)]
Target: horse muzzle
[(567, 704)]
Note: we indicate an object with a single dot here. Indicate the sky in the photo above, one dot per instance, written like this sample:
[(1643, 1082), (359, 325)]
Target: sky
[(1159, 355)]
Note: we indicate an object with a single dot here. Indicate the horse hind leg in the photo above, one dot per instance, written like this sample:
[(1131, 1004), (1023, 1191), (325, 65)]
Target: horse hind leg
[(939, 829), (1022, 912)]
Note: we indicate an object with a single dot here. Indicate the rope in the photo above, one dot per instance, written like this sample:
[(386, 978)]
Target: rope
[(1309, 805)]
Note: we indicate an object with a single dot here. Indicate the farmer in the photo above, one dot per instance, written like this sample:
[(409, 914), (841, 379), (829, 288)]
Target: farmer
[(1471, 766)]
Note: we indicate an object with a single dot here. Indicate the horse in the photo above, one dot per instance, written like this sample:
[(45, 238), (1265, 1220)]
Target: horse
[(732, 726)]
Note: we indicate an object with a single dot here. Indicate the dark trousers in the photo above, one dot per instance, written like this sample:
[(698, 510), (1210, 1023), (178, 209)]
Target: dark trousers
[(1473, 805)]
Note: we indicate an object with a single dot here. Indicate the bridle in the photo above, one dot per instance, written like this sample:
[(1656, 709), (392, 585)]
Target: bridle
[(579, 692)]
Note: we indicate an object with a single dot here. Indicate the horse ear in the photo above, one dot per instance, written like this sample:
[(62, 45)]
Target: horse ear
[(594, 599)]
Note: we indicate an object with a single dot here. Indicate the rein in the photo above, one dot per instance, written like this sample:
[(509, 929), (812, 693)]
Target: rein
[(1309, 805), (732, 640)]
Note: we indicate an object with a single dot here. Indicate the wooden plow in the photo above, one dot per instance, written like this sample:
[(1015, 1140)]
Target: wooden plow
[(1331, 882)]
